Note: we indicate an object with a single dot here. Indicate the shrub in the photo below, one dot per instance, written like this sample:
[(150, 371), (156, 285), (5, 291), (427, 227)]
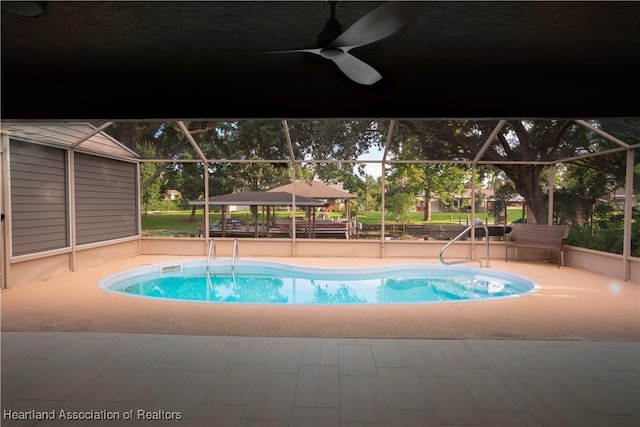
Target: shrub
[(606, 232)]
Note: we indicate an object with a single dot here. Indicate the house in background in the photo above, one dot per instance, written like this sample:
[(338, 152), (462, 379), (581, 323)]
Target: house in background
[(616, 199), (172, 195), (463, 201), (435, 205)]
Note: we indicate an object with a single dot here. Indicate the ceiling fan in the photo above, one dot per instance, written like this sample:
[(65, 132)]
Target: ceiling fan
[(335, 45)]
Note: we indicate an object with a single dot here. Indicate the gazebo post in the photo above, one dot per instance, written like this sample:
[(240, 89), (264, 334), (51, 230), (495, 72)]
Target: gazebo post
[(254, 212), (223, 224), (268, 224), (314, 221), (347, 208)]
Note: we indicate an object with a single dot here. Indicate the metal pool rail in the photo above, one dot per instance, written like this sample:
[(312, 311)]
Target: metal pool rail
[(460, 236)]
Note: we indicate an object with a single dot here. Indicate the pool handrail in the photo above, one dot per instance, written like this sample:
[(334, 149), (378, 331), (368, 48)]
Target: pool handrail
[(212, 246), (234, 254), (209, 282), (460, 236)]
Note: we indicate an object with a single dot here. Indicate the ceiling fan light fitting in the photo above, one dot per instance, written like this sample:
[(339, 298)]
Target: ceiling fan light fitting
[(331, 53)]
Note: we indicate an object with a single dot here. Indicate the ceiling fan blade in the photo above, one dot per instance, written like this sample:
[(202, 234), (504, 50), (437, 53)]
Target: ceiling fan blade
[(355, 69), (381, 22), (316, 51)]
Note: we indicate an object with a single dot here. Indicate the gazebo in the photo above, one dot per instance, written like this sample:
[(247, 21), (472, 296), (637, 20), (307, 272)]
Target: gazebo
[(267, 200), (316, 190), (320, 191)]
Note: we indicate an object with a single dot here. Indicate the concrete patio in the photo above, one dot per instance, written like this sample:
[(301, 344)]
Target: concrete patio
[(571, 304), (566, 355)]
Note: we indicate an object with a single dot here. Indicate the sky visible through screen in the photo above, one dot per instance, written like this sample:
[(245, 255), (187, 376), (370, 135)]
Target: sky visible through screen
[(373, 169)]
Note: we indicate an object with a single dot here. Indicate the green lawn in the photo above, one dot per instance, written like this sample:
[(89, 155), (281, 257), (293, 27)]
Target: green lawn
[(170, 223), (176, 223), (374, 217)]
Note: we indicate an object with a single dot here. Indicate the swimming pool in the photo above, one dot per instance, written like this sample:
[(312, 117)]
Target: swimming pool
[(262, 282)]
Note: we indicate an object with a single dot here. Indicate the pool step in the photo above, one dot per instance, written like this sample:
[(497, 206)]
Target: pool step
[(170, 268)]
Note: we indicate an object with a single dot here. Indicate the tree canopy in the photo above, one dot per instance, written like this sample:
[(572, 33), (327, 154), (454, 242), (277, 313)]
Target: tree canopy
[(329, 149), (520, 148)]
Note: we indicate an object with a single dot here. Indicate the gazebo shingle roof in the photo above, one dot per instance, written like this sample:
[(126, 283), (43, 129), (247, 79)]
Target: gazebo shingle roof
[(258, 198), (314, 189)]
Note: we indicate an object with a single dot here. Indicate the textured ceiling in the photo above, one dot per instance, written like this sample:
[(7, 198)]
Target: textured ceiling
[(160, 60)]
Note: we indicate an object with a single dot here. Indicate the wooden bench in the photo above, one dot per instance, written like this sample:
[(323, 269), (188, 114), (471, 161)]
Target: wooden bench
[(548, 237)]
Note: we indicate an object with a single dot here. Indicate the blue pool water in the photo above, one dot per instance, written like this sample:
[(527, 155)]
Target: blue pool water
[(260, 282)]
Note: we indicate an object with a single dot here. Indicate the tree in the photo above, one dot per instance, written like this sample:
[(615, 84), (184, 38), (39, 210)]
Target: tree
[(399, 204), (628, 130), (369, 193), (503, 192), (588, 180), (519, 141), (584, 187), (151, 140), (258, 140), (334, 140), (152, 192), (444, 180)]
